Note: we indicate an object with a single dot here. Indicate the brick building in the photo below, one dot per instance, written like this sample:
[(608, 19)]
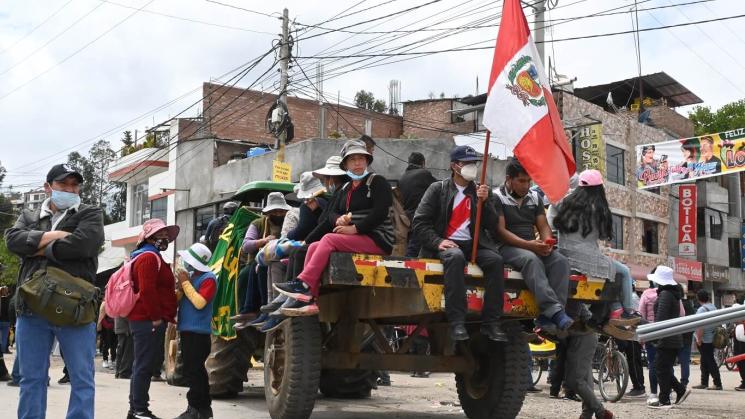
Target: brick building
[(238, 114), (443, 118)]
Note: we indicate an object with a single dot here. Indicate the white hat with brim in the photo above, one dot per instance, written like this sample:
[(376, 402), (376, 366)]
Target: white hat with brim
[(275, 201), (331, 169), (663, 275), (197, 256), (309, 186)]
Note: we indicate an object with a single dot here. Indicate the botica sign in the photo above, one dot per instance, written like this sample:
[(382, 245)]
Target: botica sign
[(716, 273)]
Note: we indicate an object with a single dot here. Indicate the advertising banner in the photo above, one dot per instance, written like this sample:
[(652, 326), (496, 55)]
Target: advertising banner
[(693, 270), (591, 149), (716, 273), (690, 158), (687, 220)]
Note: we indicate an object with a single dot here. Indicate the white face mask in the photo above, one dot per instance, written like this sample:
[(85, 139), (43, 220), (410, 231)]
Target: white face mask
[(469, 172)]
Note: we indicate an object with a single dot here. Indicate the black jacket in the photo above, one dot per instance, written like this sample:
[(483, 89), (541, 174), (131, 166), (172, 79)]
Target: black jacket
[(412, 185), (77, 254), (668, 307), (433, 214)]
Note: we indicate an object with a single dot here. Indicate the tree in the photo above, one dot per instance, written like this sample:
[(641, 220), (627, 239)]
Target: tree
[(97, 190), (729, 116), (366, 100), (127, 143), (8, 261)]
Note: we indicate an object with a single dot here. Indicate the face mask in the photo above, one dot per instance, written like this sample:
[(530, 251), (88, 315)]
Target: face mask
[(356, 177), (64, 200), (277, 220), (469, 172), (161, 244)]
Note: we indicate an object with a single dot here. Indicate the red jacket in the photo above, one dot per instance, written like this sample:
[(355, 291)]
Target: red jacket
[(157, 290)]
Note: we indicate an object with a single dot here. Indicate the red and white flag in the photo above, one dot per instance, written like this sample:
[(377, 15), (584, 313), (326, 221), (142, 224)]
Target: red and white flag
[(520, 110)]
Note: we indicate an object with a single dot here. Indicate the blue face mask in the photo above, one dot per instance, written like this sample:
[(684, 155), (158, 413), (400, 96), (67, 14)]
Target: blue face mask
[(356, 177), (64, 200)]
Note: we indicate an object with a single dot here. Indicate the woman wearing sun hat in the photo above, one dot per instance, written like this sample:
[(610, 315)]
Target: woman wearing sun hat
[(197, 287), (155, 307)]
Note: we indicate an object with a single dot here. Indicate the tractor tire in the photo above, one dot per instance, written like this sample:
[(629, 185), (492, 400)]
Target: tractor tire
[(229, 362), (497, 387), (292, 368), (174, 360), (348, 384)]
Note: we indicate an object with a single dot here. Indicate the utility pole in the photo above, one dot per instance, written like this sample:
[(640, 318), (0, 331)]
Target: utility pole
[(284, 64), (319, 97), (539, 28)]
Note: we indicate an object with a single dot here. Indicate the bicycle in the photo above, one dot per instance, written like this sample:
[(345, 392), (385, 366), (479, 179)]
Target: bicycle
[(541, 354), (613, 371)]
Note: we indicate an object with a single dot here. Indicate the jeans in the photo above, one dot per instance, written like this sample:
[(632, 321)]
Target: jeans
[(35, 336), (651, 355), (124, 355), (626, 286), (145, 347), (580, 351), (4, 336), (709, 365), (664, 368), (547, 277), (16, 373), (195, 348), (454, 262), (159, 357), (684, 358), (319, 253)]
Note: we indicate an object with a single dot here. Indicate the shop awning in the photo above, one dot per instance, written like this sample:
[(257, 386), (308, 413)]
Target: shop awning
[(639, 273)]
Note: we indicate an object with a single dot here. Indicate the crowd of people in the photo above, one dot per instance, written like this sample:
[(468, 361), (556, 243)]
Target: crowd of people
[(345, 207)]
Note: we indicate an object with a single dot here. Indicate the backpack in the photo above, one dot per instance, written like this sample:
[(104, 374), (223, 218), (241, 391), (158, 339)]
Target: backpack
[(214, 237), (721, 337), (120, 293), (397, 215)]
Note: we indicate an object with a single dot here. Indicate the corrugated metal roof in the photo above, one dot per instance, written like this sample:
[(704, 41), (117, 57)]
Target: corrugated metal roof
[(657, 86)]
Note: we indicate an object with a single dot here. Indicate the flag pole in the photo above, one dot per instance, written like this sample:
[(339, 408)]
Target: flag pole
[(480, 203)]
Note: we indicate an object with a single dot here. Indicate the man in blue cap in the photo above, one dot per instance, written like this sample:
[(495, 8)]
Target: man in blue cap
[(444, 224)]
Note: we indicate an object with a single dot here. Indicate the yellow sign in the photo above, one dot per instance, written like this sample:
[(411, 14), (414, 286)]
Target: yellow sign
[(281, 171), (591, 150)]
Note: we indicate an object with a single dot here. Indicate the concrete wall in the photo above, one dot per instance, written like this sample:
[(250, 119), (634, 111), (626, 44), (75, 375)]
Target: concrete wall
[(432, 119)]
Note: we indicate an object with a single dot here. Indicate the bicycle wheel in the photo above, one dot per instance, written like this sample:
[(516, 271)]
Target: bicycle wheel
[(613, 376), (719, 356), (536, 370), (730, 353)]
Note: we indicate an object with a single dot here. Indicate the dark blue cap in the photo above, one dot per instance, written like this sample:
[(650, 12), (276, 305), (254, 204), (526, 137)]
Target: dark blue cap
[(464, 153)]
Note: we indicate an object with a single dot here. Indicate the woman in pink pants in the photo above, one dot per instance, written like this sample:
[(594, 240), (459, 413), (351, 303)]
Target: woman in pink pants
[(358, 222)]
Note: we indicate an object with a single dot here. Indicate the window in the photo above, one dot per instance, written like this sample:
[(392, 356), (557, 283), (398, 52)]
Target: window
[(650, 237), (158, 208), (655, 191), (202, 217), (140, 207), (715, 225), (617, 240), (734, 252), (614, 164)]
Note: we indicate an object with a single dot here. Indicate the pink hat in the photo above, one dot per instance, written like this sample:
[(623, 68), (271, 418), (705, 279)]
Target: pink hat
[(590, 177), (153, 226)]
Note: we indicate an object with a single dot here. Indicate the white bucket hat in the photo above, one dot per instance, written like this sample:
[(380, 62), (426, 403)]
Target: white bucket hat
[(331, 168), (197, 256), (354, 147), (663, 275), (309, 186), (276, 201)]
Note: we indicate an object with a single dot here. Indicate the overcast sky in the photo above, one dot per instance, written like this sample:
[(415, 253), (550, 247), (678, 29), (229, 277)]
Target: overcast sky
[(73, 71)]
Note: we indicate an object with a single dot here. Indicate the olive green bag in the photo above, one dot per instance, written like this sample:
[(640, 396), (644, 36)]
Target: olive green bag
[(61, 298)]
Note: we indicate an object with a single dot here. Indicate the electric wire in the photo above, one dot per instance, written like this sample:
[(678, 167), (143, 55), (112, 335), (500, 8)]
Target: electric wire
[(30, 32)]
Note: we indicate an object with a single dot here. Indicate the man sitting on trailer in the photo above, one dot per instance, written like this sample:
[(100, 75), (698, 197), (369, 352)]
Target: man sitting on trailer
[(444, 224), (545, 271)]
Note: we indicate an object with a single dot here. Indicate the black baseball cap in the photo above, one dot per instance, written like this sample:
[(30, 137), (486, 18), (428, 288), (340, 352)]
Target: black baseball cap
[(464, 153), (59, 172)]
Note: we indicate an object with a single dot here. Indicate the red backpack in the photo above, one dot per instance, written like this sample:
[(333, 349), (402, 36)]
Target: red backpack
[(120, 293)]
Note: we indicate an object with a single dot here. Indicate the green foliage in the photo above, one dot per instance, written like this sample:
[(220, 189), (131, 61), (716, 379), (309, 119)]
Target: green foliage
[(728, 117), (97, 190), (366, 100), (10, 264)]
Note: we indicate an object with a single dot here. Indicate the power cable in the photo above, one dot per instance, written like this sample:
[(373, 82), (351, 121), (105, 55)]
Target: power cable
[(245, 10), (76, 52), (43, 22)]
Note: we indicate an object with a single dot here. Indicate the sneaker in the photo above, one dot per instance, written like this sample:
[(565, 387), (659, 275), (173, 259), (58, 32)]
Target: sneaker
[(299, 309), (112, 365), (660, 405), (272, 324), (141, 415), (105, 364), (274, 304), (553, 395), (193, 413), (700, 387), (157, 379), (683, 396), (716, 388), (652, 399), (259, 321), (64, 380), (534, 389), (636, 392), (383, 383), (295, 289), (12, 383), (741, 387)]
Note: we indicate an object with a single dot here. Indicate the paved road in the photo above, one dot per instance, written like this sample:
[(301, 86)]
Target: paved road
[(408, 398)]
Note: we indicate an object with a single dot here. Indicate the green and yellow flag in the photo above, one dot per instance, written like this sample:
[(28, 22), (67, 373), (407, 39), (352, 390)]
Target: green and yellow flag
[(225, 264)]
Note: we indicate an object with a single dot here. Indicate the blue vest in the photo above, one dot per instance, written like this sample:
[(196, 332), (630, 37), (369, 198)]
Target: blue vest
[(189, 318)]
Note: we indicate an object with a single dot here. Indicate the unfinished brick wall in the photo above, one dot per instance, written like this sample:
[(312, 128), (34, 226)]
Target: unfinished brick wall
[(664, 117), (234, 113), (432, 119)]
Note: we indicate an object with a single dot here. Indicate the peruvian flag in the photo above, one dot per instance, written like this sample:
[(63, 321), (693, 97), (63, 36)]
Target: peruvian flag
[(520, 110)]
